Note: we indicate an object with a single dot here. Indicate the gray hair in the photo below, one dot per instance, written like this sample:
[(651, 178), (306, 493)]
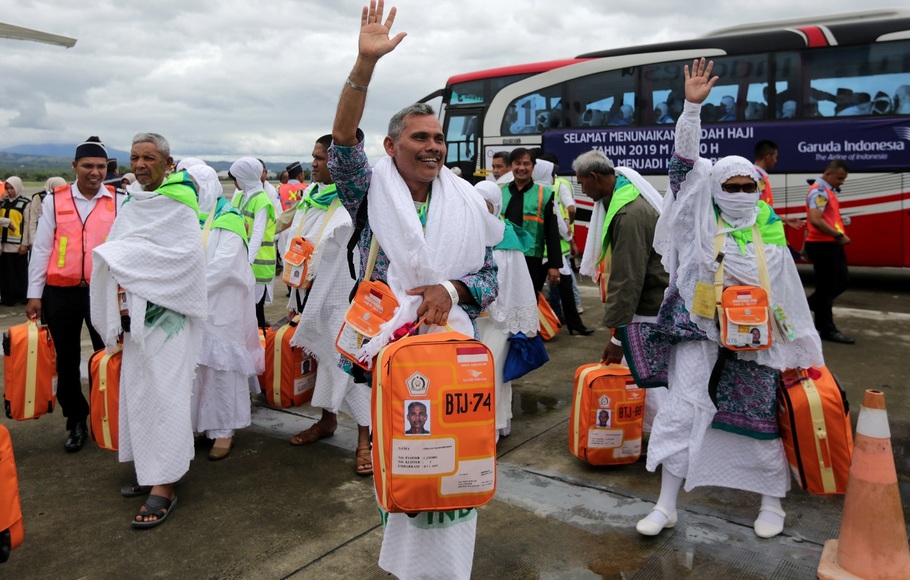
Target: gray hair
[(396, 123), (160, 142), (593, 161)]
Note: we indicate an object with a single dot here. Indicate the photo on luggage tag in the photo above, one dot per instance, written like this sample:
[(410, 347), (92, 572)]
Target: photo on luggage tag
[(417, 416)]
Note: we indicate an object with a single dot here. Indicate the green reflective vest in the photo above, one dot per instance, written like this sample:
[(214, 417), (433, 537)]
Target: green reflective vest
[(565, 245), (769, 225), (533, 216), (264, 263)]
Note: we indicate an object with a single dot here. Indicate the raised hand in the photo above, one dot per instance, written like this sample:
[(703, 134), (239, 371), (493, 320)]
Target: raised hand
[(700, 82), (375, 41)]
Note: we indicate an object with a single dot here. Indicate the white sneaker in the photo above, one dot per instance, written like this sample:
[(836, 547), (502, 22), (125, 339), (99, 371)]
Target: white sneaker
[(648, 527)]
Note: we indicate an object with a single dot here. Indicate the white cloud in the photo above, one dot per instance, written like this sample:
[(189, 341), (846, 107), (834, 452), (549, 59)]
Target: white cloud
[(231, 77)]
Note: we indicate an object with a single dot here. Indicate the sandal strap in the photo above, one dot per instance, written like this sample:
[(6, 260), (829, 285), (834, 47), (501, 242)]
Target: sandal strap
[(156, 505), (661, 510)]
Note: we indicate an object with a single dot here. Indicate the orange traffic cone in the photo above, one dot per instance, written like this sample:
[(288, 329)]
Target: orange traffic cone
[(873, 534)]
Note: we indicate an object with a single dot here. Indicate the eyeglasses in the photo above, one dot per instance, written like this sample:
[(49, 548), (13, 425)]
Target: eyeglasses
[(750, 187)]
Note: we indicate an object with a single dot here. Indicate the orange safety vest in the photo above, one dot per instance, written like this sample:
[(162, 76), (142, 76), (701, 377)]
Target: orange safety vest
[(764, 186), (71, 257), (831, 214), (290, 194)]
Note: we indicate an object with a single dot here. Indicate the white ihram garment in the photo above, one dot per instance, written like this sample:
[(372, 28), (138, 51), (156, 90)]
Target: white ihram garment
[(324, 312), (231, 351), (154, 251), (682, 439)]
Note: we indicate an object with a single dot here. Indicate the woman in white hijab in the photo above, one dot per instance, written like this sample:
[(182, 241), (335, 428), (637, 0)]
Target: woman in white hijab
[(727, 438), (231, 352), (514, 309)]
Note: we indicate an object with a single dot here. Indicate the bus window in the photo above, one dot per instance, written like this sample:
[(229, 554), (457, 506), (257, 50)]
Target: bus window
[(480, 91), (534, 113), (739, 95), (857, 81), (467, 93), (461, 137), (603, 99), (788, 84)]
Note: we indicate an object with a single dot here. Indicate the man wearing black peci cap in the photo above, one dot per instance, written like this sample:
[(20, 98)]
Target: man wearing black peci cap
[(74, 220)]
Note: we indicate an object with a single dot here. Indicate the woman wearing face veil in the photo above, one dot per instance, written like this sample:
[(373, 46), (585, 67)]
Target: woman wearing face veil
[(726, 438)]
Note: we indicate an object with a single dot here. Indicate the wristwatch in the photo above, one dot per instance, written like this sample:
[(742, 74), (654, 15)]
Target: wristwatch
[(839, 236)]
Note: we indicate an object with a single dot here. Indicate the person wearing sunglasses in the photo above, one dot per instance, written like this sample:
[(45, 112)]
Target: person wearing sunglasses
[(728, 437)]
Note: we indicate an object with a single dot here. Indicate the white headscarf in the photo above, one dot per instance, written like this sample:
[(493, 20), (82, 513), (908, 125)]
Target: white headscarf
[(738, 209), (209, 187), (490, 192), (189, 162), (247, 171)]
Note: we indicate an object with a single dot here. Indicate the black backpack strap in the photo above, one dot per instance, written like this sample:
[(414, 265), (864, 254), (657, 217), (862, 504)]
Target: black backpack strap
[(360, 223)]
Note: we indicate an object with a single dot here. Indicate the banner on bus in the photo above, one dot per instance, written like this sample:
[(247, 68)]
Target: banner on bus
[(805, 146)]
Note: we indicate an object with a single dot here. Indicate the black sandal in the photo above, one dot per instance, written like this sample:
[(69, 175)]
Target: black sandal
[(134, 489), (155, 505)]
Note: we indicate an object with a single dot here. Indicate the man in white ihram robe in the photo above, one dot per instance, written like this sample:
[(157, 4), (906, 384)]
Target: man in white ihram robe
[(154, 254)]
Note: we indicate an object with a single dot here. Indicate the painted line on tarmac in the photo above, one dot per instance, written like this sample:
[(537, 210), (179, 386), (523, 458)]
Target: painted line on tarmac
[(876, 315)]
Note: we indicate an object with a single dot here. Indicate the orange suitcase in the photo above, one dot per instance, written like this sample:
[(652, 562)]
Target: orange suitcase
[(290, 374), (608, 410), (11, 531), (29, 371), (549, 322), (104, 398), (815, 429), (434, 422)]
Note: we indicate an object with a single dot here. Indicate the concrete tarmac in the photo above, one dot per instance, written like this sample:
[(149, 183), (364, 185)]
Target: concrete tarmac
[(271, 510)]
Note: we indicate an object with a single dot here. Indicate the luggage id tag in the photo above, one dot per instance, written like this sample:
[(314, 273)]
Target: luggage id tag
[(373, 305), (704, 302), (784, 328)]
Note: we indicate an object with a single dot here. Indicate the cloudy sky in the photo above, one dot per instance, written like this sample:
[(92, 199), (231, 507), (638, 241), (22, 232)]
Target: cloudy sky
[(225, 78)]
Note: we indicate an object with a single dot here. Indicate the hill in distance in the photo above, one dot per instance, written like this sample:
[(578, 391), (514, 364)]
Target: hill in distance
[(53, 155)]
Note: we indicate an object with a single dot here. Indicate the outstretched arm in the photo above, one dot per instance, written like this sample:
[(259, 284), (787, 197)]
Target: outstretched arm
[(374, 43), (699, 83)]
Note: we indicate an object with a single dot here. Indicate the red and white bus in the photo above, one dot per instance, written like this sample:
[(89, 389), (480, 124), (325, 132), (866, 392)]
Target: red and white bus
[(465, 100), (833, 87)]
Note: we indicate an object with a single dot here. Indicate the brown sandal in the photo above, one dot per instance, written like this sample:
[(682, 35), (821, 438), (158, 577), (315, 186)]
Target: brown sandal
[(363, 461), (317, 431)]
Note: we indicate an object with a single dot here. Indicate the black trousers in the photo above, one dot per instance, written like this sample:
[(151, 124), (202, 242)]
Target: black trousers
[(13, 278), (829, 261), (538, 271), (260, 312), (64, 310)]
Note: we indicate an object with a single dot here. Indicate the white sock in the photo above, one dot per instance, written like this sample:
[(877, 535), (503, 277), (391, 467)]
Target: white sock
[(768, 516), (669, 490)]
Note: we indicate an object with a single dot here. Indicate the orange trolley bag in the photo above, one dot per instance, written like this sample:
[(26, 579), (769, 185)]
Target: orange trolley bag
[(290, 374), (104, 398), (29, 371), (549, 322), (608, 411), (815, 429), (11, 531), (434, 421)]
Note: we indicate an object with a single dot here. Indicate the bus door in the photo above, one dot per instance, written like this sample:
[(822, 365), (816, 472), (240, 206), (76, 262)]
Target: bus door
[(461, 130)]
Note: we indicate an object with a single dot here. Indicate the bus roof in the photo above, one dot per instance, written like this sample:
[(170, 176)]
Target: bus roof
[(783, 35), (529, 68)]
